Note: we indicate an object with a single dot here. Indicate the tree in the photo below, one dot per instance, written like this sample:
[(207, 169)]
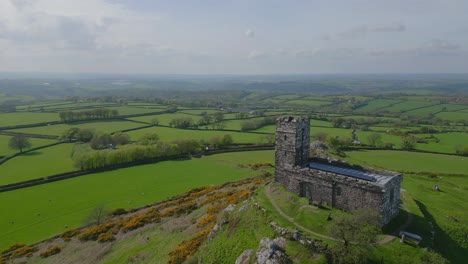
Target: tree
[(218, 116), (120, 138), (102, 140), (357, 231), (148, 139), (19, 142), (155, 122), (97, 215), (374, 139), (408, 143)]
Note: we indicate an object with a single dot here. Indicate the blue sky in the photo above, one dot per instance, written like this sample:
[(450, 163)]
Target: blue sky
[(234, 37)]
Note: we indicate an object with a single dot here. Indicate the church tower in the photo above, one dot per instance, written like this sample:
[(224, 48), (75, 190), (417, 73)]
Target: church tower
[(292, 142)]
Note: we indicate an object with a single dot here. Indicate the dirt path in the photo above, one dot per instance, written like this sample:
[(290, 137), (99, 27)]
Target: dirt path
[(385, 240)]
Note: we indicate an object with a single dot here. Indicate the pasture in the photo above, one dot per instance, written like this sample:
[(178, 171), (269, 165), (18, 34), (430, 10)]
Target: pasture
[(37, 164), (172, 134), (377, 104), (409, 161), (106, 126), (35, 142), (47, 209), (24, 118), (164, 119)]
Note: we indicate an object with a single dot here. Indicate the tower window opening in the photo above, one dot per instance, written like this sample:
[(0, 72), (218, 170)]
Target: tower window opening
[(285, 137)]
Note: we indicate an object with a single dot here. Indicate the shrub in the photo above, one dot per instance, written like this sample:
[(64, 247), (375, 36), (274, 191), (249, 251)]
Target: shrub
[(93, 233), (67, 236), (206, 220), (118, 211), (12, 248), (26, 251), (106, 237), (53, 250), (187, 249)]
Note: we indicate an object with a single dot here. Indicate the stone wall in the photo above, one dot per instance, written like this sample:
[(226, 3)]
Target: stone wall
[(341, 191)]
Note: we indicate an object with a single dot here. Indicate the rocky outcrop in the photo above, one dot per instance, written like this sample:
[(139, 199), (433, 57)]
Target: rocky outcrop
[(271, 252)]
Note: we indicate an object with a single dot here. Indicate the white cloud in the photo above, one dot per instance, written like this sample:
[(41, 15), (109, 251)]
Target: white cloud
[(249, 33), (433, 48), (366, 29), (253, 55)]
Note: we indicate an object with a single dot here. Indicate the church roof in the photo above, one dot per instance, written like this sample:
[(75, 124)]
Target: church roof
[(377, 178)]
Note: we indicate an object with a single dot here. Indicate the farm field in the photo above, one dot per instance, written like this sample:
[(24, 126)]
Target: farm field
[(377, 104), (172, 134), (436, 109), (164, 119), (447, 144), (407, 105), (35, 142), (40, 163), (453, 116), (107, 126), (68, 202), (307, 102), (409, 161), (24, 118)]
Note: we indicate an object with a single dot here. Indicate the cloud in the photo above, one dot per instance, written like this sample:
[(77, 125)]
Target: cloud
[(253, 55), (433, 48), (335, 53), (249, 33), (366, 29), (52, 25)]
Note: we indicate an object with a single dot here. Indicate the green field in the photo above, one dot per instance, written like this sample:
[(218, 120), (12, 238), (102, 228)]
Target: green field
[(171, 134), (107, 126), (37, 164), (68, 202), (165, 119), (35, 142), (436, 109), (410, 161), (308, 102), (377, 104), (447, 144), (408, 105), (453, 116), (24, 118)]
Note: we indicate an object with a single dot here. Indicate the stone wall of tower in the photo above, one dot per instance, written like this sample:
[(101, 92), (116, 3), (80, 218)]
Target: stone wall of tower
[(292, 144)]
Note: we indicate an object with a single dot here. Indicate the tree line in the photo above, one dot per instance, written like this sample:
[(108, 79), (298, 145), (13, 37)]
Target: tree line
[(98, 113)]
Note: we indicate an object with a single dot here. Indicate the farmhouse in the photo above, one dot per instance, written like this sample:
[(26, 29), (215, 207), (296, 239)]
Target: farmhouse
[(334, 183)]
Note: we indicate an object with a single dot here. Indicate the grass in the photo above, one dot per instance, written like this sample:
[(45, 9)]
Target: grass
[(453, 116), (410, 161), (37, 164), (447, 143), (102, 126), (165, 119), (35, 142), (171, 134), (24, 118), (408, 105), (67, 203), (308, 102), (436, 109), (377, 104)]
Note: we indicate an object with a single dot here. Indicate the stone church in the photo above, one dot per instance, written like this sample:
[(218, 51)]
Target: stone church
[(334, 183)]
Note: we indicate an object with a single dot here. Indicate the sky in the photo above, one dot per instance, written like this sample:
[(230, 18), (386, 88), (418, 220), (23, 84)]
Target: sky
[(234, 36)]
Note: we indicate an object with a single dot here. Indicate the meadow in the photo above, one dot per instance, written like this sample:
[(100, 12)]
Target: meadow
[(53, 208), (107, 126), (24, 118), (35, 142), (172, 134), (410, 161), (40, 163)]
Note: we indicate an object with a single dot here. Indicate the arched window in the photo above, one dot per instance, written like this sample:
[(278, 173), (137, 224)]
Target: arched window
[(285, 137)]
